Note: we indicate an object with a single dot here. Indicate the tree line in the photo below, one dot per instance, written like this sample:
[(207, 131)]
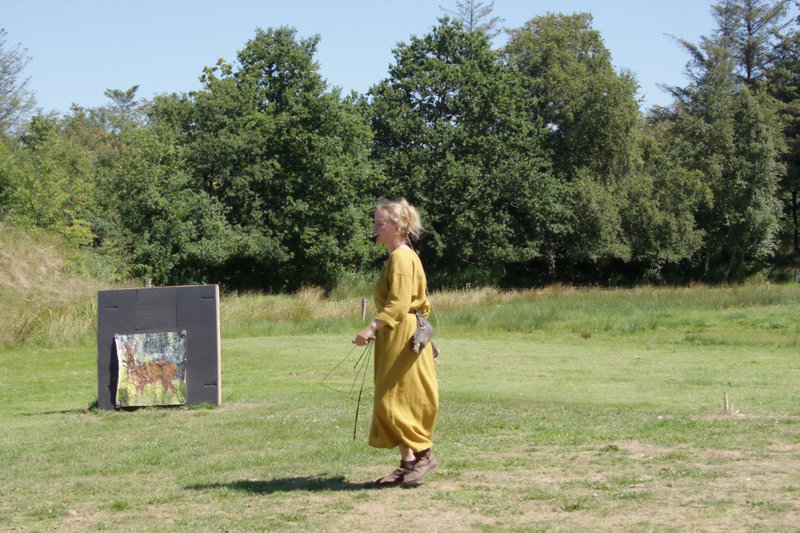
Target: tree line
[(531, 163)]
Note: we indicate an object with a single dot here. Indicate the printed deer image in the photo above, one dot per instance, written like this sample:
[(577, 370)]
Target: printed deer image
[(156, 372)]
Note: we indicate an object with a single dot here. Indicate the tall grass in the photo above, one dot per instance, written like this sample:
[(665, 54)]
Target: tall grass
[(560, 310), (694, 315), (43, 300), (46, 301), (306, 311), (700, 313)]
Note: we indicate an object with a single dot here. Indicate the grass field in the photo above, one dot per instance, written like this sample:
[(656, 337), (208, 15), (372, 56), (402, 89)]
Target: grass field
[(561, 410)]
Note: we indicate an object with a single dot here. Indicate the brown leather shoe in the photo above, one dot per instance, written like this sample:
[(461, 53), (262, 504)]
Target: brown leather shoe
[(397, 476), (425, 464)]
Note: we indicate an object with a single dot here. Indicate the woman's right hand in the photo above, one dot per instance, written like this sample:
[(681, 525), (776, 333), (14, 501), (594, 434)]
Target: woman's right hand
[(362, 338), (366, 335)]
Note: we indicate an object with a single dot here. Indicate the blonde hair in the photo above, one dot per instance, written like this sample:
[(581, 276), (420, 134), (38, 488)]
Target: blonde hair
[(404, 215)]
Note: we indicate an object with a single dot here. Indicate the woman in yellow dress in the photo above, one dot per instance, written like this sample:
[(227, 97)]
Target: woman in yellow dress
[(406, 388)]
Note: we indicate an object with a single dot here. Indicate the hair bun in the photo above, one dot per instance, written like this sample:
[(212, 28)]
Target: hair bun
[(404, 215)]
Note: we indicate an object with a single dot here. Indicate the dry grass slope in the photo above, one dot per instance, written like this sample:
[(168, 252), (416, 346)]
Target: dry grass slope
[(42, 299)]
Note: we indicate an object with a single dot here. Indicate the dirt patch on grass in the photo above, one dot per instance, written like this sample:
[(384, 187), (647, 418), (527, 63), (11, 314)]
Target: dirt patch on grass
[(630, 486), (626, 486)]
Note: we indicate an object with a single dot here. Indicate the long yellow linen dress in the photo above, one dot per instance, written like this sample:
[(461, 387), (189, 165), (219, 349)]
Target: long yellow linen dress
[(406, 389)]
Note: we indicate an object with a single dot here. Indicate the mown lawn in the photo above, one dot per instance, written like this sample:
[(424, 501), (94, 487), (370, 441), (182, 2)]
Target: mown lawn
[(560, 411)]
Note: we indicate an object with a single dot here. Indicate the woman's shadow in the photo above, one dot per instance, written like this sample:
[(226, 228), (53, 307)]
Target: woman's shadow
[(318, 483)]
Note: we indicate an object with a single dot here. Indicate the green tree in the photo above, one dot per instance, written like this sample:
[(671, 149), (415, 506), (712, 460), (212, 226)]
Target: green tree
[(661, 199), (286, 160), (475, 16), (9, 170), (455, 135), (124, 109), (173, 233), (750, 28), (783, 83), (730, 134), (16, 99), (591, 110), (592, 116), (49, 184), (117, 191)]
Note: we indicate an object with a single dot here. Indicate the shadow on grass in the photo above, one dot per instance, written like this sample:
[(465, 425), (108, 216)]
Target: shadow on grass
[(318, 483)]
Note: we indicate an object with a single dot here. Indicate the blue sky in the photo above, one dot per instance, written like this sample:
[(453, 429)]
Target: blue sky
[(80, 48)]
